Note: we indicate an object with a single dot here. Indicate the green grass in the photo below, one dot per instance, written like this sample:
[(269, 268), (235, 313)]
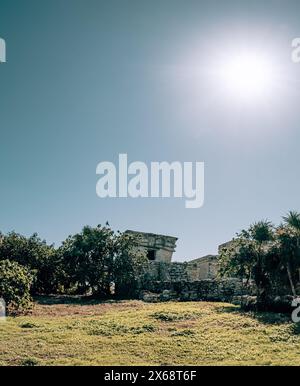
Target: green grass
[(136, 333)]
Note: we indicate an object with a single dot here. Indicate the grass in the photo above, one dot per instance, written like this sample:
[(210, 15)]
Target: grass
[(73, 332)]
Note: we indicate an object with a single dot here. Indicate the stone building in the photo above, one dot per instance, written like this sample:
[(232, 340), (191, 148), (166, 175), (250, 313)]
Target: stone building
[(196, 279), (205, 267), (159, 248)]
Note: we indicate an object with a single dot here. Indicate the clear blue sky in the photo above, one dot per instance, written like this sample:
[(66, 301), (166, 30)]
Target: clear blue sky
[(86, 80)]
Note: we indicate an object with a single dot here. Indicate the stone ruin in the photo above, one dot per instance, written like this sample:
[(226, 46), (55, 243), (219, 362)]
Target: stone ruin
[(195, 280), (192, 280), (160, 249)]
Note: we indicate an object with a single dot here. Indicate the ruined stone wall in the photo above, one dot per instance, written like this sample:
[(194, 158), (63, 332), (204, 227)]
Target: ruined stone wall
[(163, 255), (163, 246), (204, 268), (188, 281), (177, 272), (173, 272), (206, 290)]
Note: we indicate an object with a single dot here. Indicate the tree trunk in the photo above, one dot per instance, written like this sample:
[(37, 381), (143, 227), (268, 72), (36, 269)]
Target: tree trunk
[(288, 268)]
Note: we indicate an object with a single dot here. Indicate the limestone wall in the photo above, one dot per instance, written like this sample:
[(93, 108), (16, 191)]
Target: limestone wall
[(163, 255), (204, 268), (196, 280), (210, 290), (162, 246), (178, 272)]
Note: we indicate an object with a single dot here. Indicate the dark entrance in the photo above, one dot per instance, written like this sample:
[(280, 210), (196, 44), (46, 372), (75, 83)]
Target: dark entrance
[(151, 254)]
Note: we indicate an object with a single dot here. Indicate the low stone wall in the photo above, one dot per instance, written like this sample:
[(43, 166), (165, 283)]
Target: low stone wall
[(181, 272), (167, 272), (210, 290)]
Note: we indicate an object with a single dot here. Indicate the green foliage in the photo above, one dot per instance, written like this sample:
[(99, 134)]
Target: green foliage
[(29, 362), (292, 219), (15, 283), (247, 254), (97, 257), (36, 255), (238, 259), (129, 263), (269, 256), (166, 316), (262, 231), (287, 250), (88, 260)]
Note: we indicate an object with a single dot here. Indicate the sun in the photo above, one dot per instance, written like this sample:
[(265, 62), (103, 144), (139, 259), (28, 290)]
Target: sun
[(247, 76)]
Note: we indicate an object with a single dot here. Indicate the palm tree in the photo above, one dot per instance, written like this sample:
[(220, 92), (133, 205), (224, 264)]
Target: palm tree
[(262, 231), (292, 221)]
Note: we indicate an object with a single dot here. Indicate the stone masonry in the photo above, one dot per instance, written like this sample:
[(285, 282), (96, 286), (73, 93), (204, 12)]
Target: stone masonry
[(193, 280), (159, 248)]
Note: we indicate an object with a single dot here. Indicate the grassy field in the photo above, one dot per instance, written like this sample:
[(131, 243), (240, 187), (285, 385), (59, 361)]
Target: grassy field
[(70, 332)]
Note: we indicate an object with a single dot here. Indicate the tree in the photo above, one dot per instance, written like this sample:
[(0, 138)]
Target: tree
[(292, 219), (15, 284), (270, 256), (97, 257), (50, 277), (88, 260), (262, 232), (129, 264), (35, 254), (288, 236), (247, 257)]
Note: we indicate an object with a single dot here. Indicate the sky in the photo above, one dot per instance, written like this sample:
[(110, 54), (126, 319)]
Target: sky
[(86, 80)]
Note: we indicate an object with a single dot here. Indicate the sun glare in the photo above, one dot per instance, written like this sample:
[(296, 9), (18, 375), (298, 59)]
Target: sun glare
[(247, 76)]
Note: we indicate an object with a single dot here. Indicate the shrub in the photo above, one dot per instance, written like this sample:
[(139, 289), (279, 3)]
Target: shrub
[(15, 284), (29, 362), (129, 265), (88, 260), (34, 254), (98, 257), (174, 316)]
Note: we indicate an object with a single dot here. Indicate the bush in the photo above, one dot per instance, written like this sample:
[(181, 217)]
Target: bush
[(93, 262), (97, 258), (88, 261), (15, 284), (129, 266), (34, 254)]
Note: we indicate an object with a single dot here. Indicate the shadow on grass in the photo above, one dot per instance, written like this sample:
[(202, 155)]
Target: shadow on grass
[(78, 300), (268, 318), (295, 329)]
